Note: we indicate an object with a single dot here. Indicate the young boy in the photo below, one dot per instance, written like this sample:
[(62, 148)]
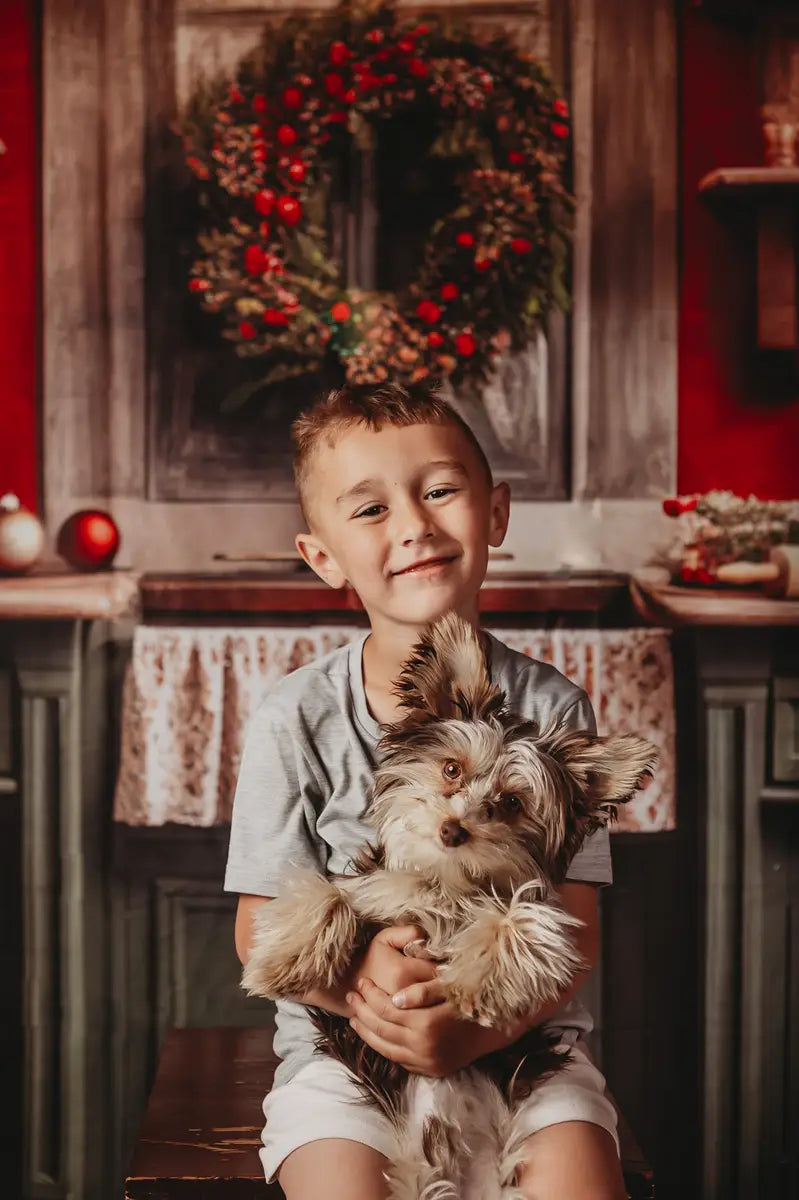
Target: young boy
[(399, 503)]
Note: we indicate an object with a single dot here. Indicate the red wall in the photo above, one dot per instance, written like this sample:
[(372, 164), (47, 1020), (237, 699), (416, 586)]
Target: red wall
[(738, 425), (18, 267)]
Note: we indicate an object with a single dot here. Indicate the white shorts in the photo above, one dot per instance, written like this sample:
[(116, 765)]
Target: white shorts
[(323, 1101)]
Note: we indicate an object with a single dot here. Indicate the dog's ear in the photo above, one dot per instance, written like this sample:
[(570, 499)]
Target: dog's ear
[(447, 675), (606, 770)]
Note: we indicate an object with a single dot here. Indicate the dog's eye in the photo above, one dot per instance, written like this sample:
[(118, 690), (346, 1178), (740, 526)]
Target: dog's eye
[(510, 802), (452, 770)]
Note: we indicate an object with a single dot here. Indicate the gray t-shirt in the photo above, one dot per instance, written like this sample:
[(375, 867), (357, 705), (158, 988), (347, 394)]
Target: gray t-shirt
[(305, 779)]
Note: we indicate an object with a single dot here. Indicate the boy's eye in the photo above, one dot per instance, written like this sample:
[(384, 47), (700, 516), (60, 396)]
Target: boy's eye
[(452, 770), (436, 493), (373, 510)]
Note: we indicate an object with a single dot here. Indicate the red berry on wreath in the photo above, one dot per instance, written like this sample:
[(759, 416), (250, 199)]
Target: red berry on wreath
[(465, 345), (199, 285), (247, 330), (338, 117), (289, 210), (466, 240), (274, 316), (297, 171), (375, 36), (286, 135), (255, 260), (292, 97), (515, 157), (264, 230), (483, 264), (340, 54), (417, 68), (265, 202), (334, 84), (236, 96), (560, 131), (340, 311), (449, 291), (428, 311), (561, 108), (259, 102), (349, 96), (406, 45), (520, 245), (259, 153), (435, 339)]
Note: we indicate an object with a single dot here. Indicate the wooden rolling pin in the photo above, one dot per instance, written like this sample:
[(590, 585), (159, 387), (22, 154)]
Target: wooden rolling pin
[(780, 575)]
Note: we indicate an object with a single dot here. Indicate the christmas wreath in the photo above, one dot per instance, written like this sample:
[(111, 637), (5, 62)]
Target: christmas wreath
[(262, 149)]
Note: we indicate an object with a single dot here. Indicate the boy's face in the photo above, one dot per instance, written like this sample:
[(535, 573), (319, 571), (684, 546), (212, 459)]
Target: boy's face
[(406, 516)]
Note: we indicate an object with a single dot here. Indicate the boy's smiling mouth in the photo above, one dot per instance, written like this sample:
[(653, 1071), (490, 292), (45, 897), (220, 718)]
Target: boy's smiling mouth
[(426, 564)]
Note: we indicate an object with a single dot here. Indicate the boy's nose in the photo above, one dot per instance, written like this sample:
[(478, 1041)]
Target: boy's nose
[(453, 833)]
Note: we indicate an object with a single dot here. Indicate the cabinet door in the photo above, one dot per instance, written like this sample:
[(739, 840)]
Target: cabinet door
[(198, 970)]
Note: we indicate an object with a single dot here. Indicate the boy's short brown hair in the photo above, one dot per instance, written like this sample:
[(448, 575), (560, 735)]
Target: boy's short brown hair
[(374, 405)]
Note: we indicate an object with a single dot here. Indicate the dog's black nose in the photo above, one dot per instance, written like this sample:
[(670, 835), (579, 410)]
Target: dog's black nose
[(453, 833)]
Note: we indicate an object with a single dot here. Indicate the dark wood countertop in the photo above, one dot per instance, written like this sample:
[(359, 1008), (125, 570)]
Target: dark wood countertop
[(250, 594)]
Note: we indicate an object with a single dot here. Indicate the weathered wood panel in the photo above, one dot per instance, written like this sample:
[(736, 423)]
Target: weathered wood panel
[(631, 373)]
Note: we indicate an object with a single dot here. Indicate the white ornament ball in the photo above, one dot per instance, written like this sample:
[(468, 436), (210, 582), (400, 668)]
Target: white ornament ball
[(21, 535)]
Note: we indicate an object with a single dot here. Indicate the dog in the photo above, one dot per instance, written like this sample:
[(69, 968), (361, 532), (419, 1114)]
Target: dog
[(477, 814)]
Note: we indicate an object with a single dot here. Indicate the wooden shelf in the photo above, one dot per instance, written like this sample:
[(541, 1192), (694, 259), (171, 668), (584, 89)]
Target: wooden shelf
[(666, 604), (250, 594), (749, 183), (774, 194)]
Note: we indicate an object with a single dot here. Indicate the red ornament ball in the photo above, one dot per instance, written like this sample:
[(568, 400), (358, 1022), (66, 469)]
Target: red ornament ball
[(275, 317), (297, 171), (88, 540), (559, 130), (340, 311), (449, 291), (435, 339), (289, 210), (334, 84), (520, 245), (465, 239), (247, 330), (255, 260), (259, 102), (292, 97), (465, 345), (340, 53), (428, 311), (265, 202), (286, 135), (561, 108)]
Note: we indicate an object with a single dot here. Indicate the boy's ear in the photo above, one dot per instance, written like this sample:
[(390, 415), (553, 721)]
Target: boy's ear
[(320, 560), (500, 514)]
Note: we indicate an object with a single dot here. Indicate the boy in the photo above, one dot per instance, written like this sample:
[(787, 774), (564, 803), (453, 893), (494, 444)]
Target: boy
[(400, 503)]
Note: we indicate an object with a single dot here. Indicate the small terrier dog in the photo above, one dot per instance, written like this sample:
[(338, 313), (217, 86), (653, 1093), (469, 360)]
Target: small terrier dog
[(477, 814)]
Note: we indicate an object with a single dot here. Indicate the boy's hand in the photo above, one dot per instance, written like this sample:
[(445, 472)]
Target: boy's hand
[(384, 963), (432, 1040)]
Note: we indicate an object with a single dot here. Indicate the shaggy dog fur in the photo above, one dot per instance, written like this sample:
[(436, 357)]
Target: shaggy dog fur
[(477, 814)]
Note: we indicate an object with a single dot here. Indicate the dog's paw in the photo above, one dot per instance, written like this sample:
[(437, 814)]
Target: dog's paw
[(509, 961), (304, 939), (418, 948)]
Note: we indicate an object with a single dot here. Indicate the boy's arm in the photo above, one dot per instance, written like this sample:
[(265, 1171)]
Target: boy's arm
[(332, 1000), (382, 959)]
